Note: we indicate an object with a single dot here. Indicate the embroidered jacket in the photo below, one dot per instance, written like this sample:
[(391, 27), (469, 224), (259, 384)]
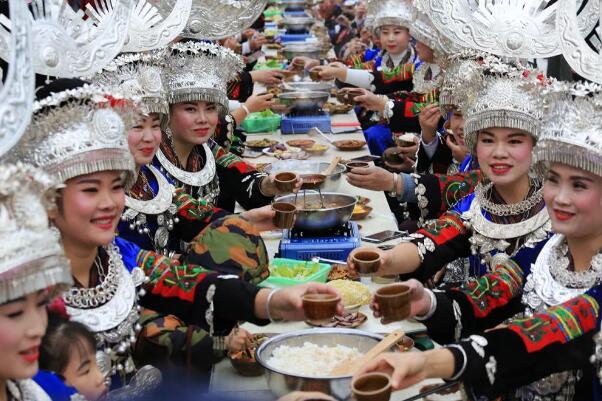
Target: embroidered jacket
[(556, 339), (452, 236), (237, 181)]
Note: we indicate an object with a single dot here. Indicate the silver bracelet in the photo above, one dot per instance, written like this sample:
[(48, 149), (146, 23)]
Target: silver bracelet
[(388, 110), (245, 108), (464, 362), (432, 308), (267, 304), (393, 193)]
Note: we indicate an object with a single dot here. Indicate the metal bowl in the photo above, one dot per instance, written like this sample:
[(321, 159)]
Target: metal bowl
[(294, 5), (302, 49), (316, 217), (339, 387), (301, 167), (302, 101), (323, 86), (297, 24)]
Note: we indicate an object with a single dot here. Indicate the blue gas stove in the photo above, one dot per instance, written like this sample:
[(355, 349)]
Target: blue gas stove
[(334, 243)]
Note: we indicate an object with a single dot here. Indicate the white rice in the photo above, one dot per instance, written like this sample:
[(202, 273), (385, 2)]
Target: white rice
[(311, 360)]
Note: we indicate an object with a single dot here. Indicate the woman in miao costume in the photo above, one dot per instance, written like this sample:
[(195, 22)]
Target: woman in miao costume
[(78, 134), (543, 352), (504, 217), (33, 270), (196, 76)]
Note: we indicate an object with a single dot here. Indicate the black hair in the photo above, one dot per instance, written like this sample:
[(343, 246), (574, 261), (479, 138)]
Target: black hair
[(62, 336)]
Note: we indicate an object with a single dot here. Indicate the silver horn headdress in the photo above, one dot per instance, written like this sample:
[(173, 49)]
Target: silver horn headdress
[(580, 56), (200, 72), (32, 258), (218, 19), (150, 27), (137, 75), (512, 28), (77, 132), (65, 44), (17, 94), (571, 131)]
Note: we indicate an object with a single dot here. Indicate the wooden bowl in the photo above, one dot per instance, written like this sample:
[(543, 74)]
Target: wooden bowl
[(349, 144)]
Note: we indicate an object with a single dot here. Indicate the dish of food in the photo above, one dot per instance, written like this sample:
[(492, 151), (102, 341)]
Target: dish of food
[(301, 143), (342, 272), (311, 360), (260, 144), (244, 361), (273, 46), (316, 149), (353, 293), (334, 108), (299, 271), (349, 320), (349, 144), (360, 212)]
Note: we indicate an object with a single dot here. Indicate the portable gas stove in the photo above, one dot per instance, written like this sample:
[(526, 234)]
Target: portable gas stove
[(334, 243), (300, 122)]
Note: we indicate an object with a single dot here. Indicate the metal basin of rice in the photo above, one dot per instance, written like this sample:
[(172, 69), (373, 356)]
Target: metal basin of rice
[(281, 383)]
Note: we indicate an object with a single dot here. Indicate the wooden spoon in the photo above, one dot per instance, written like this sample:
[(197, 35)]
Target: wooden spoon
[(348, 369), (332, 166)]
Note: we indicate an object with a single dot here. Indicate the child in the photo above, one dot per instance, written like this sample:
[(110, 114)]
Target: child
[(69, 350)]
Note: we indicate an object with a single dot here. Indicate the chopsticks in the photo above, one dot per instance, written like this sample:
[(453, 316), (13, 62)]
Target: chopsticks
[(420, 396)]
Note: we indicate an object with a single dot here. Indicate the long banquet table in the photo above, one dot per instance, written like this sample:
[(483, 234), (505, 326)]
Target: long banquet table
[(224, 378)]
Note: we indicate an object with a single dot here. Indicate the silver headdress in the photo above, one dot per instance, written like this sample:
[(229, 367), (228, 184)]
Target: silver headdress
[(32, 258), (580, 56), (509, 99), (571, 131), (77, 132), (391, 12), (149, 28), (465, 65), (137, 75), (200, 72), (512, 28), (218, 19), (17, 94), (422, 29), (65, 44)]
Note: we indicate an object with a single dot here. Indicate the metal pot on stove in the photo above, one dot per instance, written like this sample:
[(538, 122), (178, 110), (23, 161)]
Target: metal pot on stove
[(319, 211)]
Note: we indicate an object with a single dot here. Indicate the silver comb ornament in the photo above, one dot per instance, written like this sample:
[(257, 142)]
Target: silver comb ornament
[(149, 27), (218, 19), (17, 94), (68, 46)]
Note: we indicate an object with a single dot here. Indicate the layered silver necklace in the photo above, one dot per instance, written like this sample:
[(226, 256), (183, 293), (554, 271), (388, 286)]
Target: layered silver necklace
[(504, 210), (204, 183), (490, 240), (161, 206), (114, 318)]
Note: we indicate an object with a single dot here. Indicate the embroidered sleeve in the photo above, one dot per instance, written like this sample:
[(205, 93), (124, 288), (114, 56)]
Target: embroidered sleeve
[(182, 290), (479, 304), (191, 208), (528, 350), (399, 121), (438, 193), (440, 242)]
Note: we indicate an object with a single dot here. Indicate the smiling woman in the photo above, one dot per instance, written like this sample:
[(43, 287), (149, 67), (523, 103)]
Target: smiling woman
[(504, 217), (29, 278)]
